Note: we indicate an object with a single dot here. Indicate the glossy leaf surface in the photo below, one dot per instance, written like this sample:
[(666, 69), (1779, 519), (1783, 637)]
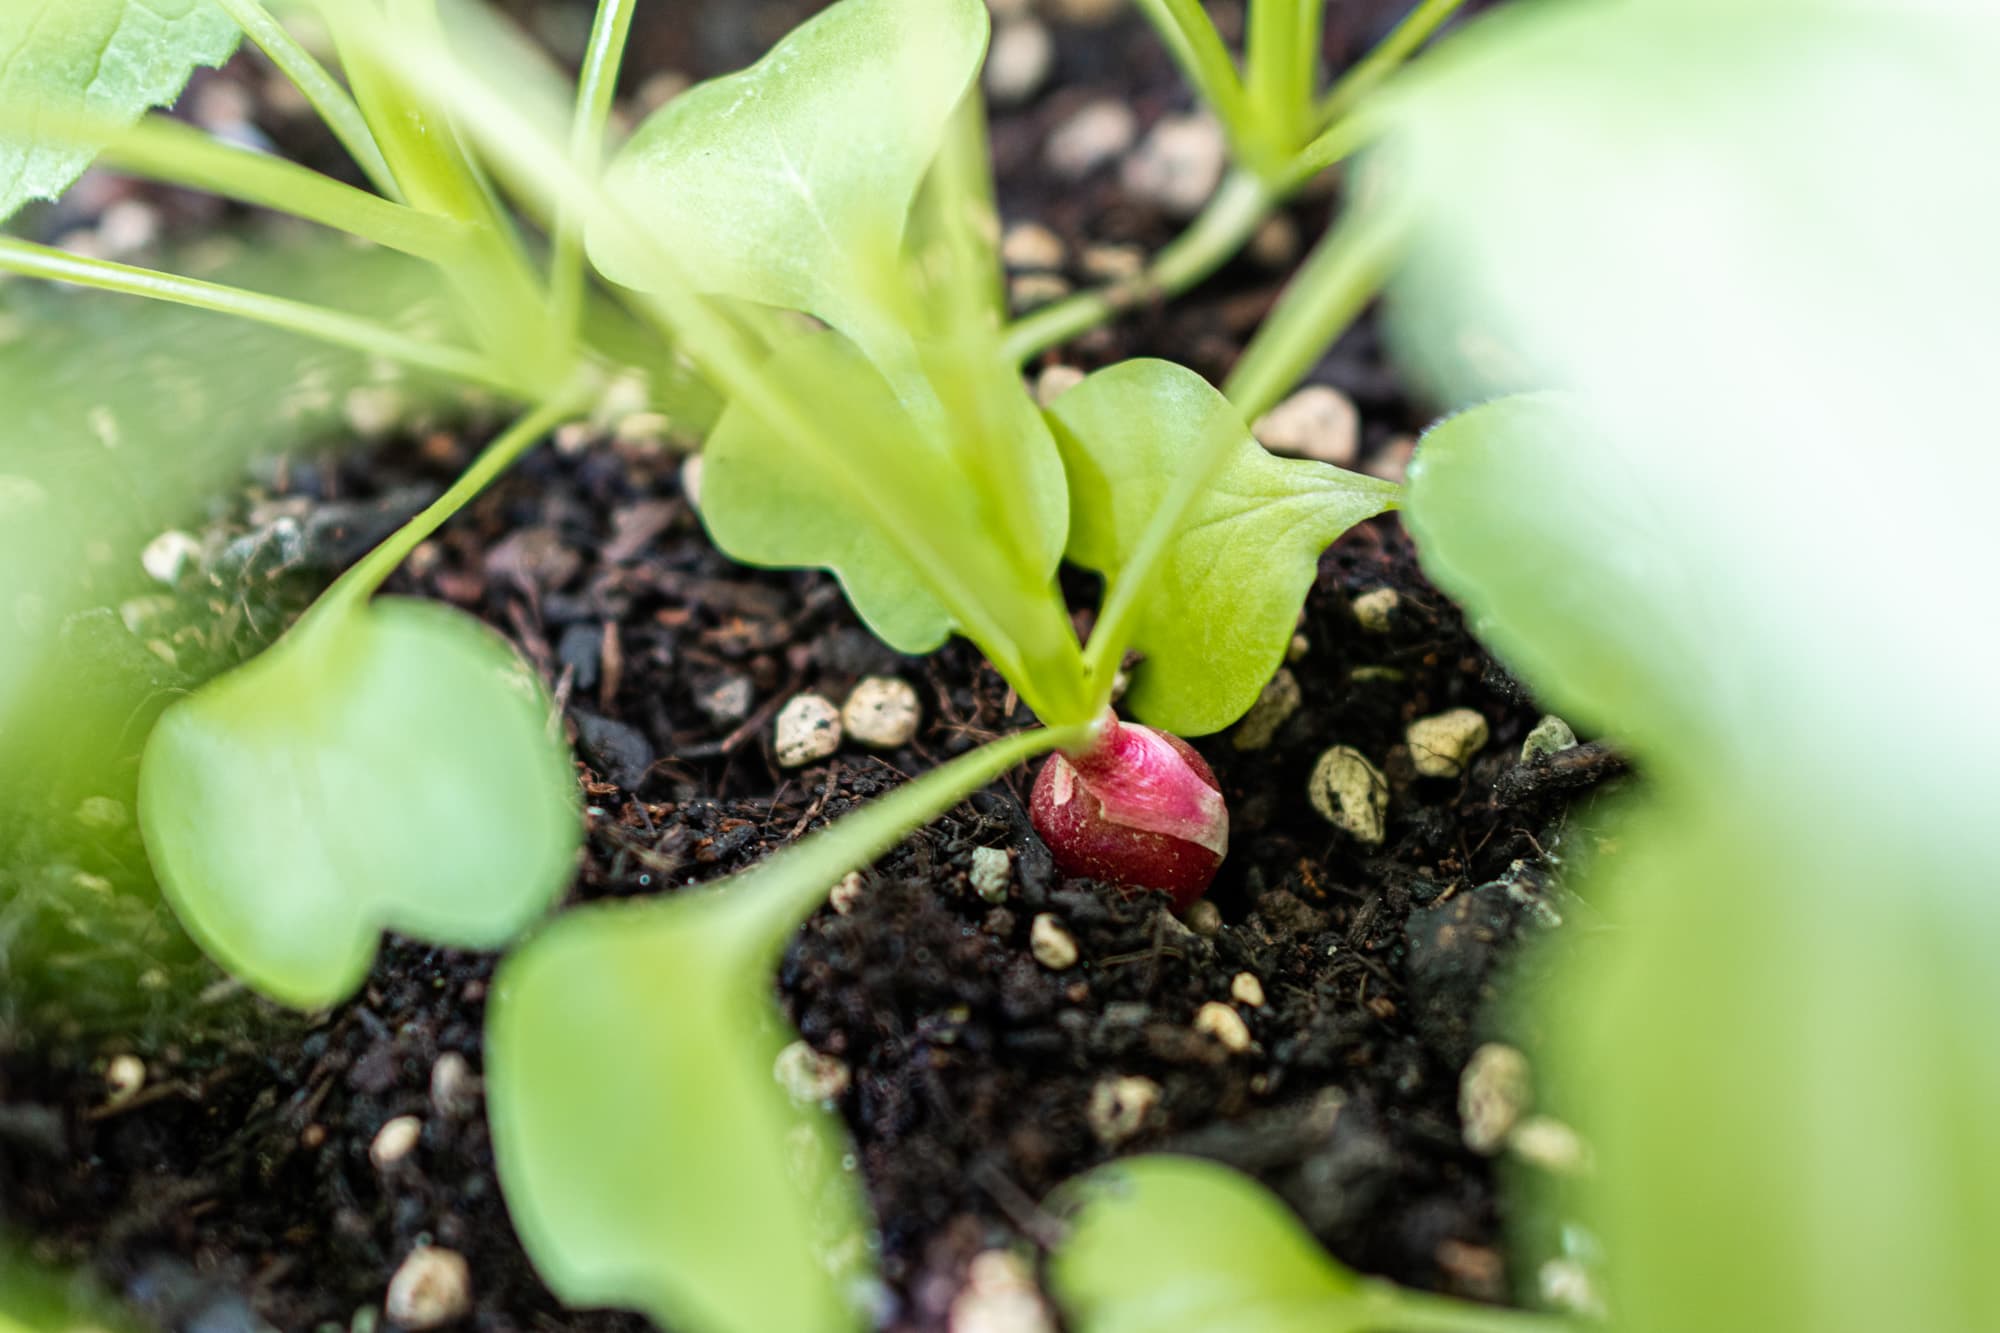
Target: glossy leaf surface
[(1219, 607), (110, 59), (389, 766)]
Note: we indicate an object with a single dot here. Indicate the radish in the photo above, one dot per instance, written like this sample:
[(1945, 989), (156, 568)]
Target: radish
[(1137, 807)]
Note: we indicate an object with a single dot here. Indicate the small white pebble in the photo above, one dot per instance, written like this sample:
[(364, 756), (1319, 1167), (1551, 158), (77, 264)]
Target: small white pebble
[(1056, 381), (1297, 649), (807, 730), (1112, 263), (1351, 794), (166, 557), (1092, 137), (1318, 422), (1373, 608), (844, 895), (1203, 918), (1178, 164), (992, 873), (432, 1288), (1030, 245), (1442, 745), (1551, 735), (1018, 61), (124, 1075), (1493, 1093), (641, 428), (455, 1088), (1053, 947), (128, 226), (1565, 1285), (1025, 291), (1546, 1142), (807, 1075), (1223, 1023), (396, 1140), (1392, 461), (1244, 988), (372, 410), (1000, 1296), (882, 712), (1119, 1107), (1275, 705), (1276, 242)]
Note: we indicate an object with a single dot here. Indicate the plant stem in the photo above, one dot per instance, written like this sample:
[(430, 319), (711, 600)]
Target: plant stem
[(327, 97), (1340, 276), (1363, 77), (1229, 220), (597, 82), (367, 336), (359, 583), (1204, 61), (1281, 55)]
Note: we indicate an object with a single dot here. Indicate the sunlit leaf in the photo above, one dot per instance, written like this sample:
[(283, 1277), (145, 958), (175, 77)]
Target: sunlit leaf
[(790, 183), (389, 766), (1216, 618), (111, 59), (649, 1156)]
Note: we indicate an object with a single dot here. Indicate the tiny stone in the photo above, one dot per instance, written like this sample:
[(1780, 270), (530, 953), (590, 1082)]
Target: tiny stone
[(1374, 607), (372, 410), (844, 895), (807, 730), (1119, 1107), (1112, 263), (1551, 735), (1565, 1285), (1441, 746), (806, 1075), (641, 428), (1019, 61), (166, 557), (1493, 1092), (1000, 1296), (1276, 242), (1351, 794), (882, 712), (1028, 290), (124, 1076), (1548, 1143), (1053, 947), (1095, 135), (1204, 918), (101, 813), (1274, 707), (992, 873), (1244, 988), (1224, 1024), (432, 1288), (1054, 382), (396, 1140), (454, 1087), (1030, 245), (662, 88), (1179, 164), (727, 702), (1318, 422), (1296, 650), (127, 226), (1392, 461)]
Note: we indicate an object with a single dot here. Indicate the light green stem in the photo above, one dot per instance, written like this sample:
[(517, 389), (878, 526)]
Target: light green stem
[(367, 336), (327, 97), (1337, 280), (1281, 56), (1204, 61), (1225, 225), (359, 583), (597, 82), (1388, 56)]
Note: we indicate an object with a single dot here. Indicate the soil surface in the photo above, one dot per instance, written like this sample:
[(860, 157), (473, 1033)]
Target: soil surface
[(233, 1188)]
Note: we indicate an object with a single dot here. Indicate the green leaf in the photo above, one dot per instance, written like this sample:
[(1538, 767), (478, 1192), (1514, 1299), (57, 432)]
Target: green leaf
[(1145, 438), (388, 766), (790, 183), (1181, 1245), (649, 1157), (110, 59)]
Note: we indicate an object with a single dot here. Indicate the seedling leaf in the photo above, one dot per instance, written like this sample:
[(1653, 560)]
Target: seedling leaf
[(387, 766), (1217, 610), (110, 59), (649, 1157), (790, 183)]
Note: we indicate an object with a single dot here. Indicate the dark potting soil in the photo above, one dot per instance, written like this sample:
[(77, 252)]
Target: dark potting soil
[(234, 1188)]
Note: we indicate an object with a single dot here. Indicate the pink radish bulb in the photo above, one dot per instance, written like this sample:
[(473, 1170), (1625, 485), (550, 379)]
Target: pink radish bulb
[(1138, 808)]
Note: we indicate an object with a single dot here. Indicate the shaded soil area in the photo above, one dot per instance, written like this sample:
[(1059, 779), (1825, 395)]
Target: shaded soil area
[(233, 1187)]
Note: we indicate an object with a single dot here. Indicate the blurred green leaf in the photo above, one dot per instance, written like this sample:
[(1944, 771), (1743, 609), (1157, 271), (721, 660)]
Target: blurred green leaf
[(1221, 605), (35, 1300), (111, 59), (386, 766), (790, 183), (649, 1156)]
